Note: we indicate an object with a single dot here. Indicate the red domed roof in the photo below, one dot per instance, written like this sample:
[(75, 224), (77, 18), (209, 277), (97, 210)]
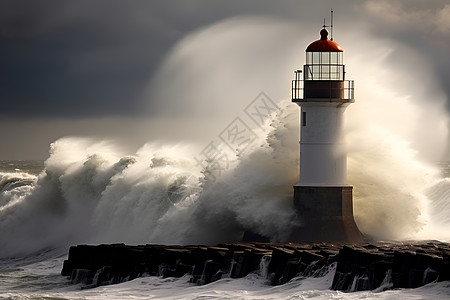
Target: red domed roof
[(324, 44)]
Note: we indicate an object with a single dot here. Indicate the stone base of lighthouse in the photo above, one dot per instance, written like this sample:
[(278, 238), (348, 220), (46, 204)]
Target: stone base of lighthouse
[(326, 215)]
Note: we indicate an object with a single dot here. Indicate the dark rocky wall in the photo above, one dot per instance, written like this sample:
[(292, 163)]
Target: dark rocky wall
[(358, 267)]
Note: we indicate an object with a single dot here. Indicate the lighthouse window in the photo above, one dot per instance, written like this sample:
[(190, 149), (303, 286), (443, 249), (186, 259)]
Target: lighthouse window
[(324, 65), (309, 58), (325, 58), (304, 118)]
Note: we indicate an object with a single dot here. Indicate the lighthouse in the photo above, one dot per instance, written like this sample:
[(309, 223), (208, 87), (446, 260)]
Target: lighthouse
[(322, 198)]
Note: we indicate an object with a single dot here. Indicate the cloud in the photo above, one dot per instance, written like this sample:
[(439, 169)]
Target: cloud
[(413, 16), (74, 61), (221, 68), (422, 26)]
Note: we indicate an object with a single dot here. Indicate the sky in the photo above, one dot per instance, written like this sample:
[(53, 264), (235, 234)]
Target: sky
[(179, 71)]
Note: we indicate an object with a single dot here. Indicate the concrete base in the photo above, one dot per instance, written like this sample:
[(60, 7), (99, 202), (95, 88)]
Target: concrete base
[(325, 214)]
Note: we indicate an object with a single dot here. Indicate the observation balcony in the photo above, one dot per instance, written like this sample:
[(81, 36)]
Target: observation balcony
[(322, 88)]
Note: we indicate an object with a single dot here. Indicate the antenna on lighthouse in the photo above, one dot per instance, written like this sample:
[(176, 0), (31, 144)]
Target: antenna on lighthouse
[(331, 24)]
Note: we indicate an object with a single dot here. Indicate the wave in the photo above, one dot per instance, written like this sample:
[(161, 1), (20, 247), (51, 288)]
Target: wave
[(88, 192), (91, 193)]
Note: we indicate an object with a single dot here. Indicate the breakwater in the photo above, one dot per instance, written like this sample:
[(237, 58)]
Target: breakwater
[(357, 267)]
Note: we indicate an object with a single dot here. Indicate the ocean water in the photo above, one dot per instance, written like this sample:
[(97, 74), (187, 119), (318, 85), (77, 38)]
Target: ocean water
[(37, 277), (87, 191)]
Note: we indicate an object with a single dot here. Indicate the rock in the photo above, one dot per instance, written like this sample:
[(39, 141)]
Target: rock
[(374, 266), (378, 273), (210, 269), (282, 258), (353, 271)]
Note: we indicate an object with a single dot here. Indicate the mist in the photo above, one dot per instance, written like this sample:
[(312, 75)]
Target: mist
[(212, 74), (159, 193), (396, 129), (106, 69)]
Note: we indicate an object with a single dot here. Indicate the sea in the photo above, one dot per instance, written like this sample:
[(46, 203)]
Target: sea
[(89, 192)]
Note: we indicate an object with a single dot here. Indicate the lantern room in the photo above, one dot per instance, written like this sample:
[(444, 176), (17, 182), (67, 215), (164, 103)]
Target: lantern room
[(324, 59), (323, 73)]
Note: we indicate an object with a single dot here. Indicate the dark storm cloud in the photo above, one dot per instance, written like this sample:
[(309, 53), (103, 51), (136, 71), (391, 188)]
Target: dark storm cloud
[(420, 25), (65, 64), (78, 58), (95, 58), (84, 58)]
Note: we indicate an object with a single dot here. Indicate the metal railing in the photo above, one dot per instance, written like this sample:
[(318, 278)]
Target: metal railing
[(327, 88)]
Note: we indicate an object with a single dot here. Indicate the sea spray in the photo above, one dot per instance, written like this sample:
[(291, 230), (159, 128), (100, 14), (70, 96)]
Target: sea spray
[(389, 184), (253, 196), (438, 204), (439, 194), (394, 124), (90, 193), (395, 129), (13, 186)]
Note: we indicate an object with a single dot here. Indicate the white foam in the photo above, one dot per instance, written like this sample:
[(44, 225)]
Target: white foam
[(92, 192)]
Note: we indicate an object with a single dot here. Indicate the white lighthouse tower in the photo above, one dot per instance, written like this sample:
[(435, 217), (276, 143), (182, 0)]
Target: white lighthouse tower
[(322, 197)]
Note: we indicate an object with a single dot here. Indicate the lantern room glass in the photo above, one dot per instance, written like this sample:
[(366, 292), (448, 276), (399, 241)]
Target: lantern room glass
[(326, 65)]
